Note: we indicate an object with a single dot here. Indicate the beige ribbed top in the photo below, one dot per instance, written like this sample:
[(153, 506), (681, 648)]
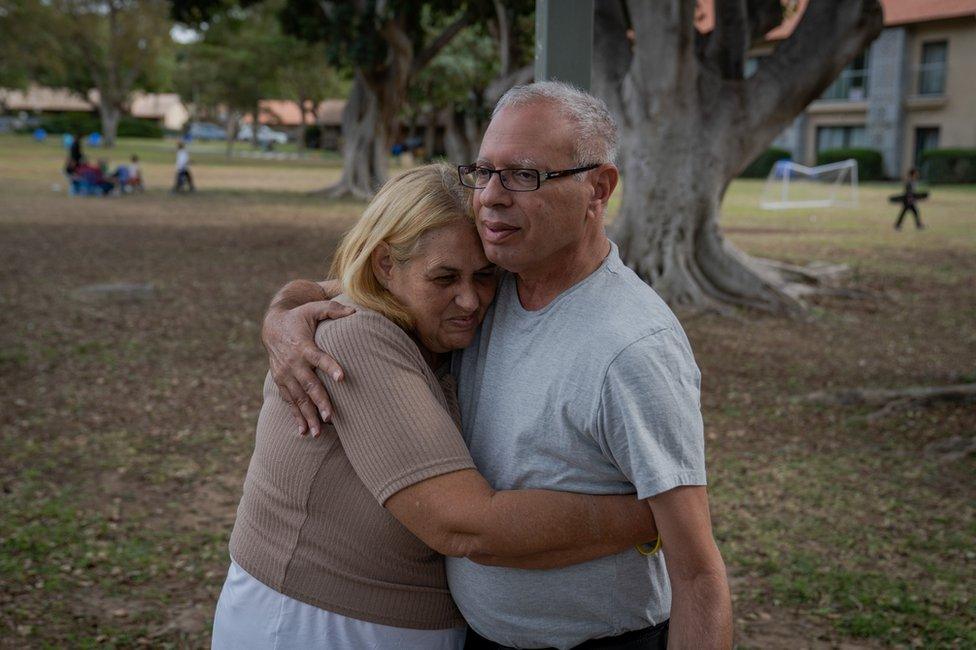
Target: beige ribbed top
[(311, 523)]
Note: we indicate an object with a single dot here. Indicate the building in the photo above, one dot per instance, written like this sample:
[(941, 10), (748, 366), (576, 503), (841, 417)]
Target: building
[(165, 108), (285, 115), (912, 89)]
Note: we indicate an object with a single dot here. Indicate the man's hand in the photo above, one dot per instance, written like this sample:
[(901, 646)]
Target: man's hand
[(288, 335)]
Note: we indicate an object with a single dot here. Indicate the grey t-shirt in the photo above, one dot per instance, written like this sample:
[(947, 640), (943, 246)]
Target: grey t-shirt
[(598, 392)]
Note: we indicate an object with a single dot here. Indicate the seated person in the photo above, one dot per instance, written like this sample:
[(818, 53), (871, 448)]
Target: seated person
[(135, 174)]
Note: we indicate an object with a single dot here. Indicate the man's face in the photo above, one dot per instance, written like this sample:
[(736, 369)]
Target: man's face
[(530, 231)]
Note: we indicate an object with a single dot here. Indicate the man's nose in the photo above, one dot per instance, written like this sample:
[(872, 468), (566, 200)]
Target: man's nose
[(494, 193)]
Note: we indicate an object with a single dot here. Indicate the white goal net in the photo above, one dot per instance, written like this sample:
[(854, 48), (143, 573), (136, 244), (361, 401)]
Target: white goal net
[(791, 185)]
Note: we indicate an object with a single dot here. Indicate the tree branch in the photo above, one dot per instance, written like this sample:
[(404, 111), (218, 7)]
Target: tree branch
[(764, 16), (828, 36), (441, 41), (665, 41), (726, 46), (504, 37), (612, 53)]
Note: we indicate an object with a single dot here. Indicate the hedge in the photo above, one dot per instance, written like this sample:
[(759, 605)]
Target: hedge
[(869, 163), (85, 123), (72, 122), (949, 165), (760, 167), (134, 127)]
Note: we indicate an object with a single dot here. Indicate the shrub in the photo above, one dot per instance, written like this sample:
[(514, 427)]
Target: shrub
[(869, 163), (759, 168), (312, 136), (949, 165), (71, 122), (134, 127)]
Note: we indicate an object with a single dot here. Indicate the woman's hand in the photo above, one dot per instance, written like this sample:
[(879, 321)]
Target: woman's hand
[(288, 334)]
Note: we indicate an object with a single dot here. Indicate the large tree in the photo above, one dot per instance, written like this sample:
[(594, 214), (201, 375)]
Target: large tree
[(306, 78), (111, 45), (459, 88), (384, 44), (234, 66), (690, 122)]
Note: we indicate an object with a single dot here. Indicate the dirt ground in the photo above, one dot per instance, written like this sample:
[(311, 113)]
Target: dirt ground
[(126, 425)]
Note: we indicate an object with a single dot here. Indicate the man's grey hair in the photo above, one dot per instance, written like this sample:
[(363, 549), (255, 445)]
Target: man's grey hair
[(596, 132)]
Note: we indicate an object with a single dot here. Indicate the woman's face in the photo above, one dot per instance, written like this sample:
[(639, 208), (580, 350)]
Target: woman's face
[(446, 286)]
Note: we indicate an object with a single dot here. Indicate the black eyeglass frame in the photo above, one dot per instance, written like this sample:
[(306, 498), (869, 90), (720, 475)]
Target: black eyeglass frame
[(539, 175)]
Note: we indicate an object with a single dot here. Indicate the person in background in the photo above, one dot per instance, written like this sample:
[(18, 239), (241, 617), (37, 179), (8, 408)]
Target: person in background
[(135, 174), (75, 153), (183, 176), (909, 201)]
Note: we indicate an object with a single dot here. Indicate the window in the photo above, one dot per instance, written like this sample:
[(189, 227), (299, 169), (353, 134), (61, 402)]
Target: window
[(926, 137), (841, 137), (852, 84), (932, 71)]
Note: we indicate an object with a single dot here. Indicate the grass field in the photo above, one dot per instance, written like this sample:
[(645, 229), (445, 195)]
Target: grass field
[(125, 428)]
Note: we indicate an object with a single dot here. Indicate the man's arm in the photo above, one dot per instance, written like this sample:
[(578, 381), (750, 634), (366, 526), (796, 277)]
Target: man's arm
[(701, 605), (460, 515), (288, 334)]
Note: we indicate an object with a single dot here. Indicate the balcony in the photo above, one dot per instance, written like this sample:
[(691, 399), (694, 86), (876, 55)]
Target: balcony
[(850, 86)]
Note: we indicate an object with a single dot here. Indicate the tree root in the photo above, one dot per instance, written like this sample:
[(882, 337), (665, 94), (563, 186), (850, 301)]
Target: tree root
[(894, 401)]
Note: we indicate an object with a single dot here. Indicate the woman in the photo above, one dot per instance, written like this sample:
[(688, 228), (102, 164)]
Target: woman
[(339, 539)]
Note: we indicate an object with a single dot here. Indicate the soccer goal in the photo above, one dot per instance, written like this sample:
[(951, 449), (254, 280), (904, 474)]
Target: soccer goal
[(791, 185)]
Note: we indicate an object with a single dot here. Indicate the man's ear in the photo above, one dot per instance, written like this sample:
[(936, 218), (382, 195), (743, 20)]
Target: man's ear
[(382, 264), (604, 180)]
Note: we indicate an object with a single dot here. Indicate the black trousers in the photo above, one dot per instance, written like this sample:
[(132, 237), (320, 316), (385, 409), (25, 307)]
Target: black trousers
[(904, 210), (183, 178), (650, 638)]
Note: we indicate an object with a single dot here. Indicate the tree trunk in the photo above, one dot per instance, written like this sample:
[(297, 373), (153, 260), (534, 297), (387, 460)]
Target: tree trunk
[(377, 95), (300, 141), (110, 116), (364, 144), (231, 128), (689, 124)]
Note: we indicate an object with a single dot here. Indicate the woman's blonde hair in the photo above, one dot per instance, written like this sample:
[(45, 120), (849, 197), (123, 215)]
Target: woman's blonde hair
[(406, 207)]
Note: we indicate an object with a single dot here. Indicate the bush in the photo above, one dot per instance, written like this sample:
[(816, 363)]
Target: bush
[(760, 167), (312, 136), (870, 166), (134, 127), (73, 122), (949, 165), (85, 123)]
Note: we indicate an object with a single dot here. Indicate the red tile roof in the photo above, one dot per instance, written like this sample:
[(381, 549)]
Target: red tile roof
[(280, 112), (896, 12)]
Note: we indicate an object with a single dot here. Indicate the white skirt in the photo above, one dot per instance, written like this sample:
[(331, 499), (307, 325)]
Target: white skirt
[(251, 614)]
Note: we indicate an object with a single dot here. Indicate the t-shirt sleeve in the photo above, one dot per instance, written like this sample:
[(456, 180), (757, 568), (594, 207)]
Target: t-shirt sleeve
[(392, 426), (649, 416)]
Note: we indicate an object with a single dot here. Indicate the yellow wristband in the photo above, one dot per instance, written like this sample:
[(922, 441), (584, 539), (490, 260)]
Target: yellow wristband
[(643, 550)]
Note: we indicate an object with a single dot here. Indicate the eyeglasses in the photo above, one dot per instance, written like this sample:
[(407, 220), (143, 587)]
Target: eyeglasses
[(515, 180)]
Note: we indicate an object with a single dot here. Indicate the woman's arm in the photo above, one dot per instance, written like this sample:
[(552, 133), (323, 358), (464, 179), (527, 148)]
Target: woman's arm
[(407, 451), (459, 515)]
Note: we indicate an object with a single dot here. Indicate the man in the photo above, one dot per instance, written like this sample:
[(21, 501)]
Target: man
[(183, 176), (581, 379), (909, 201)]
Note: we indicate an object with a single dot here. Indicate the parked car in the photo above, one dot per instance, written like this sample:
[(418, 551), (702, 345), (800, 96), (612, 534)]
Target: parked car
[(206, 131), (265, 134)]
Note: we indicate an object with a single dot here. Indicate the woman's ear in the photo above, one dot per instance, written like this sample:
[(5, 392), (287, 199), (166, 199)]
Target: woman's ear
[(382, 264)]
